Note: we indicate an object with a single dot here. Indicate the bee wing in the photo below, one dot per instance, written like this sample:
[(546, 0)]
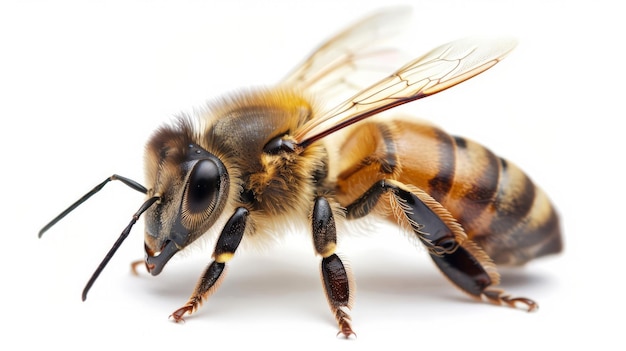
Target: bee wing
[(352, 59), (440, 69)]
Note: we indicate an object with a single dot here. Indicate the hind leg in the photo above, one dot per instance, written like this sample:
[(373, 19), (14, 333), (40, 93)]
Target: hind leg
[(465, 270), (462, 261)]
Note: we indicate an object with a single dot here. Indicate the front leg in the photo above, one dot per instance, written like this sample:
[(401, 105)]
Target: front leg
[(336, 278), (225, 248)]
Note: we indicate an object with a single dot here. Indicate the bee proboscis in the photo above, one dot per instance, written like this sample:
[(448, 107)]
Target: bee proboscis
[(255, 160)]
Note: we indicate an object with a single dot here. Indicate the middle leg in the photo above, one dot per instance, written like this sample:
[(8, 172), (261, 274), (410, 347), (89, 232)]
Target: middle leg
[(336, 277)]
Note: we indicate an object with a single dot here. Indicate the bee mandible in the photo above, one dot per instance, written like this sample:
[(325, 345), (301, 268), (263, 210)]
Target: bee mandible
[(258, 159)]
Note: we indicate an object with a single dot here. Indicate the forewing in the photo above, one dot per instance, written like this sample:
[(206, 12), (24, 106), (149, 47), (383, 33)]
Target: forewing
[(352, 59), (440, 69)]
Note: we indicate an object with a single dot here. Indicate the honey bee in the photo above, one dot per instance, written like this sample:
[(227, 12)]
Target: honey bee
[(261, 158)]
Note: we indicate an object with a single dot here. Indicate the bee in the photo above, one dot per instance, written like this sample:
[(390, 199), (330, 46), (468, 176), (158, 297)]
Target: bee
[(257, 160)]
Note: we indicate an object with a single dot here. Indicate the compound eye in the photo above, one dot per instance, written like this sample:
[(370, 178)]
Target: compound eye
[(203, 187)]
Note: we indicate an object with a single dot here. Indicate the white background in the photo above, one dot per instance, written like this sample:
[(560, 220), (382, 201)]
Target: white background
[(83, 84)]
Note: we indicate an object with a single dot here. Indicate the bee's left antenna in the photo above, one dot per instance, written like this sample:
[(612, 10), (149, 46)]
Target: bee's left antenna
[(131, 183), (118, 243)]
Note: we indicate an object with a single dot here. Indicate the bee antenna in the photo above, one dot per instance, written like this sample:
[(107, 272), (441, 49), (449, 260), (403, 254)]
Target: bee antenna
[(131, 183), (118, 243)]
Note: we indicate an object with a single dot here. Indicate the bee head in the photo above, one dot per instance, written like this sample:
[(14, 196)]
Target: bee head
[(192, 186)]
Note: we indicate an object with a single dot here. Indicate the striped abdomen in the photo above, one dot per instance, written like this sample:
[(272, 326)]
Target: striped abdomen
[(499, 207)]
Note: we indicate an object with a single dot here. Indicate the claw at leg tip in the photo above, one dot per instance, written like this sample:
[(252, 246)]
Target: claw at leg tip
[(176, 319), (346, 332)]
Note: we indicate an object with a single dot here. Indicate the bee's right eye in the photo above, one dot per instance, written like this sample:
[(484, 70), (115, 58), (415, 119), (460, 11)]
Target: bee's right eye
[(204, 186)]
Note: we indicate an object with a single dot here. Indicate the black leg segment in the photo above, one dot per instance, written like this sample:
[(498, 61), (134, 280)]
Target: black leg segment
[(460, 259), (323, 225), (435, 233), (464, 270), (469, 273), (225, 248), (335, 277), (338, 292), (231, 235)]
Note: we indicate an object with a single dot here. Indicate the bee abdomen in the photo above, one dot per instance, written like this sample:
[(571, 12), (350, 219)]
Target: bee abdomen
[(524, 225), (499, 206)]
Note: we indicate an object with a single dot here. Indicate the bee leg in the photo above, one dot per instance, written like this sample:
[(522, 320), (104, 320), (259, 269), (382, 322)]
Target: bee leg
[(225, 247), (134, 266), (422, 213), (335, 276), (461, 260), (464, 268)]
